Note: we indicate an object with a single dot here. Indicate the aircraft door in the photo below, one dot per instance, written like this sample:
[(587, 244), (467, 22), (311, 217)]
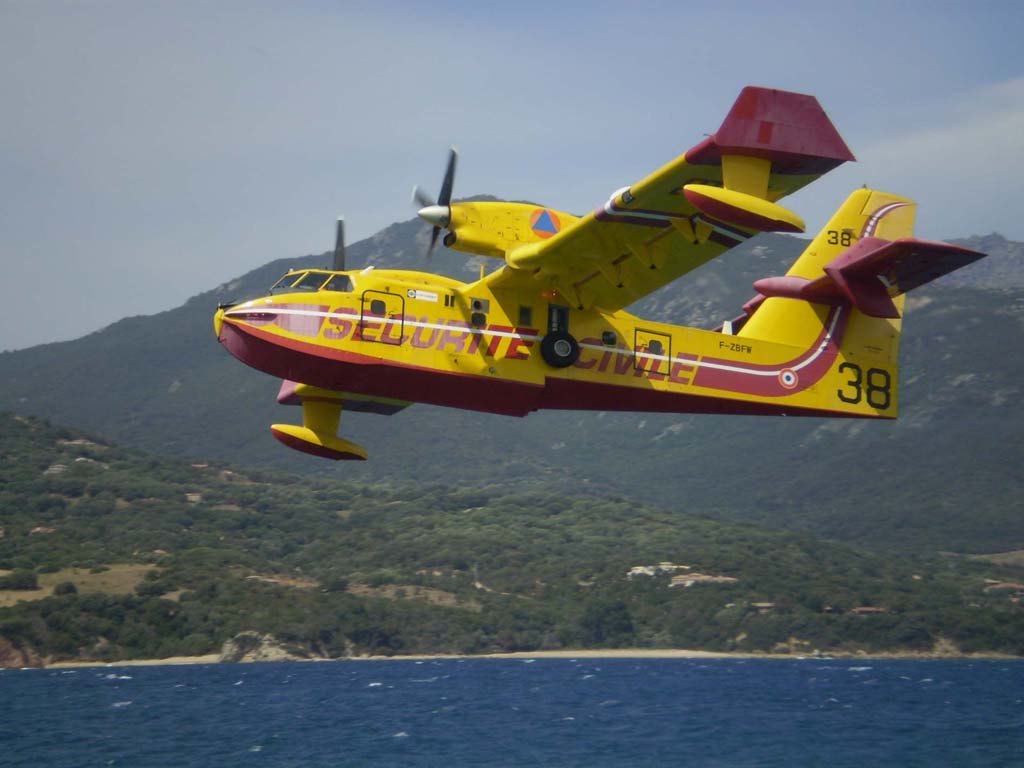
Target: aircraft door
[(382, 317), (652, 351)]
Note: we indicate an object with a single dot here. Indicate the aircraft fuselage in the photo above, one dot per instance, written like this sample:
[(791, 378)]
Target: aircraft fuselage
[(418, 337)]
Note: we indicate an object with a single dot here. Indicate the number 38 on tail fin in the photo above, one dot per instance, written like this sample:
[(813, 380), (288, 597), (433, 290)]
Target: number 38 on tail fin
[(548, 327)]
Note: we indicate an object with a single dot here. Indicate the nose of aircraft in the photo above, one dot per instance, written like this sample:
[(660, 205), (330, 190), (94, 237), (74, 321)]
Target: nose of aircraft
[(218, 321)]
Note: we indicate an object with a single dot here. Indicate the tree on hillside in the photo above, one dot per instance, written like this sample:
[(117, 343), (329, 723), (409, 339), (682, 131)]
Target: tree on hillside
[(606, 622), (19, 579)]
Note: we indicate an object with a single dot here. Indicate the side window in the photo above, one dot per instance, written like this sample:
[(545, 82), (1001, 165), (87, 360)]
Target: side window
[(284, 282), (340, 283)]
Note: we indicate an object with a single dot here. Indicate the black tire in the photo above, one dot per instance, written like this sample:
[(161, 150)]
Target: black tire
[(559, 349)]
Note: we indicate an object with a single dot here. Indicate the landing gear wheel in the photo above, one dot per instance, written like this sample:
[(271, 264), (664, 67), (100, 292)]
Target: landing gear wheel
[(559, 349)]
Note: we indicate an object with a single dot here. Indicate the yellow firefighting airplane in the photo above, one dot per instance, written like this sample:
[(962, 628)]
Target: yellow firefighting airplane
[(548, 329)]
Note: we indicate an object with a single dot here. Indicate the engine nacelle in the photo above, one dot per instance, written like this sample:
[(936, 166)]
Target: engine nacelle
[(490, 228)]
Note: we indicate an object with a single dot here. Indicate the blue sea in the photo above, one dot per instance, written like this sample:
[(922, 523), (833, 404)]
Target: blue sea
[(523, 712)]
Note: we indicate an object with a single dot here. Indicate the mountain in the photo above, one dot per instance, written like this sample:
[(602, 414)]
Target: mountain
[(945, 476), (1003, 268), (107, 553)]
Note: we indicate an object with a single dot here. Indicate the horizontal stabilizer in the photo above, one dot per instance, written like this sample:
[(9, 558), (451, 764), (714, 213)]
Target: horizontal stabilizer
[(903, 264), (870, 273)]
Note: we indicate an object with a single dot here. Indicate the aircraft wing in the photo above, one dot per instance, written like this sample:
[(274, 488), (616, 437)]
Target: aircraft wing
[(710, 199)]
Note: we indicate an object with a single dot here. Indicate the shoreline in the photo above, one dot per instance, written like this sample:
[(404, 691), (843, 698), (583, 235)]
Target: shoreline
[(606, 653)]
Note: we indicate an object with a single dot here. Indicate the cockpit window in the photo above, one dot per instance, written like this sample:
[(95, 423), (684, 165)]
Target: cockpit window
[(284, 282), (311, 281), (339, 283)]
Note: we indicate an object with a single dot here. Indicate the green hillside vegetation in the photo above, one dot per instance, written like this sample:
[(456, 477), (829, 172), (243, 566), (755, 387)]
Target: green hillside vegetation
[(343, 568), (945, 477)]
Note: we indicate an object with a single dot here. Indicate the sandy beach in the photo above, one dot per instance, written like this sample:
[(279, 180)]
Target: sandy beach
[(605, 653), (210, 658), (637, 653)]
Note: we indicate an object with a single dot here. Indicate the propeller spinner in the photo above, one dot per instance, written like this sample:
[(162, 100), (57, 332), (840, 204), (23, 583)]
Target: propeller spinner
[(438, 212)]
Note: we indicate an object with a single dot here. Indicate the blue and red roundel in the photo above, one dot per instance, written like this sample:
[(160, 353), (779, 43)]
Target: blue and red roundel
[(545, 223)]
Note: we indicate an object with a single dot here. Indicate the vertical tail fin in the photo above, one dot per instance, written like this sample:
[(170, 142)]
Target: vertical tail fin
[(866, 213), (863, 379), (844, 298)]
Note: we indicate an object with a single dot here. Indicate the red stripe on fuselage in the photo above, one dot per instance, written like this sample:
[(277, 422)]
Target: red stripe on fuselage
[(570, 395), (363, 374), (752, 379)]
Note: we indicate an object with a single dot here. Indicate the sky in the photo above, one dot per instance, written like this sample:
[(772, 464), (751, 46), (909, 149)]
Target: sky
[(153, 150)]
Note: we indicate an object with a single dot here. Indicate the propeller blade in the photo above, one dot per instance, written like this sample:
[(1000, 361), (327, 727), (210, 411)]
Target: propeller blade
[(438, 212), (422, 198), (339, 246), (445, 197)]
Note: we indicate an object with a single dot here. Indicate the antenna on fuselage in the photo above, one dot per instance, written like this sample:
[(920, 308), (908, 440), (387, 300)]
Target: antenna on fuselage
[(339, 246)]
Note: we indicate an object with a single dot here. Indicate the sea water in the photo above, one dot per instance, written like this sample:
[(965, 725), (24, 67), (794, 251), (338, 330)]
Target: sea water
[(523, 712)]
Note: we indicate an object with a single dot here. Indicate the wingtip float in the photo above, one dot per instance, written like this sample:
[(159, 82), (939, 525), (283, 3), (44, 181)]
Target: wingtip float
[(548, 328)]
